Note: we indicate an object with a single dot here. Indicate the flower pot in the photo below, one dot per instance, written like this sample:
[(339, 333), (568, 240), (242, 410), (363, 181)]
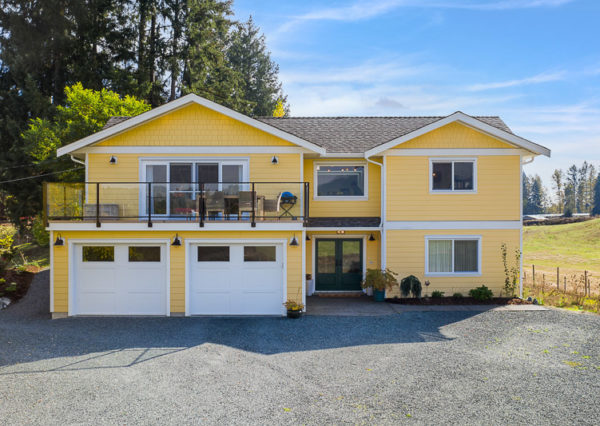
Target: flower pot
[(294, 313), (379, 295)]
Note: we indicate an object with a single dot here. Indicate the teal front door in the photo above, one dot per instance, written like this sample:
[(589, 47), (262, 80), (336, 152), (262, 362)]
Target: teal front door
[(339, 264)]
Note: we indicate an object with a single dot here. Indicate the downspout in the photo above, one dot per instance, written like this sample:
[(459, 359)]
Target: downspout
[(75, 160), (382, 203)]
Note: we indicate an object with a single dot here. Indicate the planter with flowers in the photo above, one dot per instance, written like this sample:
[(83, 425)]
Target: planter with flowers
[(379, 280), (294, 309)]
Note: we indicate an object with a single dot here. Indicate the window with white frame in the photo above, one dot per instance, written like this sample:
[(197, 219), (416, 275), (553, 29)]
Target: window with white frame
[(453, 255), (340, 181), (176, 183), (453, 175)]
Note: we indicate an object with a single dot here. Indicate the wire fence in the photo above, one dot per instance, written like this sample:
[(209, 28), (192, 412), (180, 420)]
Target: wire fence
[(568, 281)]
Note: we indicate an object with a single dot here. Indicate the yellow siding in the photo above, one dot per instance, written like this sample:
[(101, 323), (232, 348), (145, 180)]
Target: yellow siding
[(406, 256), (194, 125), (366, 208), (373, 247), (295, 277), (454, 135), (497, 197)]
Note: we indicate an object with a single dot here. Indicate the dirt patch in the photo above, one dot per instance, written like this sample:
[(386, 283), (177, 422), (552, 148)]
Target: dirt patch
[(457, 301), (15, 284)]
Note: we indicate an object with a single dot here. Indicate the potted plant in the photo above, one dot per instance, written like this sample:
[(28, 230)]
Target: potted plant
[(294, 309), (411, 284), (379, 280)]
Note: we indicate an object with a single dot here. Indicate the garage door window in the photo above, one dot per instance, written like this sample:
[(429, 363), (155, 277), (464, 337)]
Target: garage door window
[(213, 254), (259, 254), (98, 254), (144, 254)]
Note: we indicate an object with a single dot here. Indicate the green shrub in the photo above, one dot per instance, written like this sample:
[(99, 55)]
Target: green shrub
[(411, 284), (11, 288), (481, 293), (40, 235), (436, 294), (379, 279), (457, 295)]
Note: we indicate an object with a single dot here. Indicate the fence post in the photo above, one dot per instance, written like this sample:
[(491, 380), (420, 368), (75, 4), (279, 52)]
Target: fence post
[(557, 278), (587, 292), (97, 204), (565, 287), (543, 280), (533, 273)]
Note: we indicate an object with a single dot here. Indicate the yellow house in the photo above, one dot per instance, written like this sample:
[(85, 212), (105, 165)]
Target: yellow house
[(194, 209)]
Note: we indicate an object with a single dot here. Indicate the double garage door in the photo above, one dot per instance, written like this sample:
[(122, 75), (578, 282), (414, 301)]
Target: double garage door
[(223, 279)]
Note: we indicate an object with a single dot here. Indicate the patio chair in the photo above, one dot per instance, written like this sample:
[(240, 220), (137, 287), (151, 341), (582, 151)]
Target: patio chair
[(245, 202), (272, 205), (215, 203)]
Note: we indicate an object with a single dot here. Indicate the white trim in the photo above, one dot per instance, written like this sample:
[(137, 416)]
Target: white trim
[(468, 121), (453, 238), (429, 152), (383, 251), (364, 197), (179, 103), (346, 229), (303, 275), (343, 155), (52, 248), (189, 149), (241, 241), (452, 160), (452, 225), (521, 227), (175, 226), (72, 262)]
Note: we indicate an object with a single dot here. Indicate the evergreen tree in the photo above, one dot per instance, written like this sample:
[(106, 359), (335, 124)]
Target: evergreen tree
[(537, 196), (248, 55), (526, 195), (596, 208), (571, 187), (557, 178)]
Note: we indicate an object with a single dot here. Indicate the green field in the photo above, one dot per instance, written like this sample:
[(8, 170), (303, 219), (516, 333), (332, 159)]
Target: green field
[(574, 246)]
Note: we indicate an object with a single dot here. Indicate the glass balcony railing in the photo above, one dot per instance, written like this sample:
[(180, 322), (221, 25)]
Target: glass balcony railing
[(176, 201)]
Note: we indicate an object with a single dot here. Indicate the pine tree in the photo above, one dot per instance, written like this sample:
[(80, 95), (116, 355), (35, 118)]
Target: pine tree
[(526, 195), (248, 55), (537, 203), (557, 178), (571, 187), (596, 208)]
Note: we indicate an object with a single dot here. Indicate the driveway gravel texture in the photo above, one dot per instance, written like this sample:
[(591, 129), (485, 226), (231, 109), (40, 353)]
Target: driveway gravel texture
[(493, 367)]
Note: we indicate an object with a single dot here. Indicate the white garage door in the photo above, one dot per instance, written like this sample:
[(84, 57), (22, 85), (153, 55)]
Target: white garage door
[(120, 279), (236, 279)]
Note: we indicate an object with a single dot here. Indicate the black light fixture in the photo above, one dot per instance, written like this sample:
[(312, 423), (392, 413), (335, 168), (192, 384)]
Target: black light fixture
[(113, 160), (294, 241), (274, 160), (176, 241), (307, 237), (371, 237), (59, 241)]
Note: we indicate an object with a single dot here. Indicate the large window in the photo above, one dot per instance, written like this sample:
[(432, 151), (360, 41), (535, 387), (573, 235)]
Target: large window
[(340, 180), (453, 176), (457, 255), (177, 183)]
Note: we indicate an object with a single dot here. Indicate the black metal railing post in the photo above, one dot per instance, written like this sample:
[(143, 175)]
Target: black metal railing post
[(253, 196), (97, 204), (149, 204), (201, 206), (306, 198)]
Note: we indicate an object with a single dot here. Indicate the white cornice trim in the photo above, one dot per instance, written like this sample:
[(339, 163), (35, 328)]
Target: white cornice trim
[(450, 152), (180, 149), (179, 103), (453, 225), (468, 121), (173, 226)]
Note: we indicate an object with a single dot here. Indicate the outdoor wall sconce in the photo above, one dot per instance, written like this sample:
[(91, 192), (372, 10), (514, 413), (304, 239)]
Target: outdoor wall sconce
[(113, 160), (341, 231), (307, 237), (274, 160), (176, 241), (294, 241), (371, 237), (59, 241)]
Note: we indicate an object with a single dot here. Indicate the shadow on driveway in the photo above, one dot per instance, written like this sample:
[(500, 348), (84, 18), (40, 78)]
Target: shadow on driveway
[(27, 333)]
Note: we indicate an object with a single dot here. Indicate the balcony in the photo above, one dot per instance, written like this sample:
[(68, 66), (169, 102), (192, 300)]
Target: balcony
[(150, 202)]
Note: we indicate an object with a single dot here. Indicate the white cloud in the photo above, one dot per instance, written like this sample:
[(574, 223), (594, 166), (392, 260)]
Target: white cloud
[(536, 79)]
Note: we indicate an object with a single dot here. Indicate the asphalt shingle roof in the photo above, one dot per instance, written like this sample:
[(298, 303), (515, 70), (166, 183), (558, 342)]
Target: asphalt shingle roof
[(349, 134)]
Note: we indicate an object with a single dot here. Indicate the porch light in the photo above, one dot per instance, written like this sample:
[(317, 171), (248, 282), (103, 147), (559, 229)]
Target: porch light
[(59, 241), (113, 160), (294, 241), (341, 231), (307, 237), (176, 241), (372, 237), (274, 160)]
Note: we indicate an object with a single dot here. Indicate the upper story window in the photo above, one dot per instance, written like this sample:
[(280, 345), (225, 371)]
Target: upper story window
[(340, 181), (456, 175)]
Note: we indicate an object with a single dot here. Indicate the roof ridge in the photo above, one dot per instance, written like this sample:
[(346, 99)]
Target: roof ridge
[(368, 116)]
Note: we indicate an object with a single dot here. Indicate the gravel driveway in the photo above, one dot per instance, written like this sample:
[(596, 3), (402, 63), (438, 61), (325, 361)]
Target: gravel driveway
[(495, 367)]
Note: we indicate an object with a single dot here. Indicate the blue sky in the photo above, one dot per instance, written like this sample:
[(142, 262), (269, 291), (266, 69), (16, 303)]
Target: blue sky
[(536, 63)]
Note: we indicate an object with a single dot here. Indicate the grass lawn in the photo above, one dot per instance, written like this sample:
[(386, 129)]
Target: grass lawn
[(574, 247)]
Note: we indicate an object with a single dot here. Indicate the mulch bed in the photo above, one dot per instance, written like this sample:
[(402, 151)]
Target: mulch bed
[(457, 301), (23, 280)]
